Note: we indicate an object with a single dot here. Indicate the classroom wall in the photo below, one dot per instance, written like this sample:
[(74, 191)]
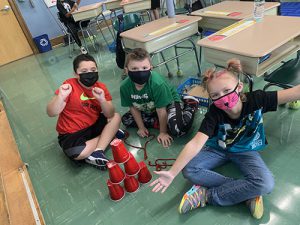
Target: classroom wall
[(43, 20)]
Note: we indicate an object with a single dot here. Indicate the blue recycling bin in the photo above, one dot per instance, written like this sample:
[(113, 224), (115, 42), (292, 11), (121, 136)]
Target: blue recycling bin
[(43, 43)]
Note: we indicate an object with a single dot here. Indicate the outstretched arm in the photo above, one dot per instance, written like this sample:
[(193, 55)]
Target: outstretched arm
[(288, 95), (191, 149)]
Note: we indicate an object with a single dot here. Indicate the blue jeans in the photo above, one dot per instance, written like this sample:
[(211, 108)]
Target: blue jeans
[(224, 191)]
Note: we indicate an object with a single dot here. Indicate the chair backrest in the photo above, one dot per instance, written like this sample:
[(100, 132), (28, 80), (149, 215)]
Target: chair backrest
[(130, 21)]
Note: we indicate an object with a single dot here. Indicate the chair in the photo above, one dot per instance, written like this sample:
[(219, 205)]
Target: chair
[(67, 33), (286, 76), (131, 20), (183, 10)]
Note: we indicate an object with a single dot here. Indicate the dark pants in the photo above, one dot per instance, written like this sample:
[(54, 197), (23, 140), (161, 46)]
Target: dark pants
[(73, 28)]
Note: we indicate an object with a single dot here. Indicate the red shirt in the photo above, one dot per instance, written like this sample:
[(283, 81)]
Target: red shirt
[(82, 109)]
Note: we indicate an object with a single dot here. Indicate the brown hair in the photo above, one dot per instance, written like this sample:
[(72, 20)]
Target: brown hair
[(137, 54), (234, 68), (81, 58)]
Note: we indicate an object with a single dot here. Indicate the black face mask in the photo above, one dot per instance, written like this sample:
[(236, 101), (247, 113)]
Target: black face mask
[(139, 77), (88, 79)]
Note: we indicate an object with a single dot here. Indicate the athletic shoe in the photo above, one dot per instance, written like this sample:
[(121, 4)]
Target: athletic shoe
[(256, 207), (98, 160), (194, 198), (120, 134), (83, 50), (191, 101)]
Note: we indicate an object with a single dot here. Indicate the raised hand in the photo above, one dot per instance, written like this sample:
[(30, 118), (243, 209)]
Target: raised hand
[(163, 182), (65, 90), (99, 94)]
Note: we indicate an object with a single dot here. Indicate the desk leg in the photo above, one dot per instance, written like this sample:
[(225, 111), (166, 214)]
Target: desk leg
[(111, 32), (164, 59), (179, 72), (82, 32), (196, 55), (103, 33)]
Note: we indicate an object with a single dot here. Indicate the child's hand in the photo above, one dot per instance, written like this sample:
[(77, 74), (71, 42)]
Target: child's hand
[(99, 94), (163, 182), (65, 90), (164, 139), (143, 132), (124, 1)]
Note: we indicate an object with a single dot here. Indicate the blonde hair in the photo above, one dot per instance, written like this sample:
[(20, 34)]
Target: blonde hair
[(234, 68), (137, 54)]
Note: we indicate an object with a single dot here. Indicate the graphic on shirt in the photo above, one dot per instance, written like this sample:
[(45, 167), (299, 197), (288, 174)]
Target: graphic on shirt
[(145, 107), (248, 135), (84, 98), (67, 7)]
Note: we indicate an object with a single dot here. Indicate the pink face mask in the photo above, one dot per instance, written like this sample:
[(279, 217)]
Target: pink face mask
[(227, 101)]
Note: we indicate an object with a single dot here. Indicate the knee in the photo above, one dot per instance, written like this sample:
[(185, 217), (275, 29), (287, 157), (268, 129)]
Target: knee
[(187, 172), (264, 184), (116, 118)]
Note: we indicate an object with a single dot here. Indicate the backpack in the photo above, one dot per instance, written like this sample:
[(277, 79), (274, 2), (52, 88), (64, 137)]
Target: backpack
[(120, 53)]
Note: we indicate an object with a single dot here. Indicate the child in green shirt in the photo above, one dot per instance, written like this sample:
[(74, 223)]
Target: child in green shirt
[(153, 102)]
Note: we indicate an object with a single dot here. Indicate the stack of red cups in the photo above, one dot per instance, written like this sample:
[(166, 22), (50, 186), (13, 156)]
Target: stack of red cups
[(132, 169)]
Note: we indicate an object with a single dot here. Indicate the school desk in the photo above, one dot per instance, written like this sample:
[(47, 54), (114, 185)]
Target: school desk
[(259, 45), (225, 13), (135, 5), (128, 7), (159, 35), (85, 13)]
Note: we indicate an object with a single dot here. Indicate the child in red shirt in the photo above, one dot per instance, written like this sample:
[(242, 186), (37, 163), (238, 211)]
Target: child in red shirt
[(87, 121)]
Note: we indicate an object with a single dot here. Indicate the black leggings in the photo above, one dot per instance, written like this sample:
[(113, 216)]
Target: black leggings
[(73, 28), (180, 119)]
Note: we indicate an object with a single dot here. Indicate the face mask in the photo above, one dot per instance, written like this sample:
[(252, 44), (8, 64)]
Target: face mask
[(139, 77), (88, 79), (227, 101)]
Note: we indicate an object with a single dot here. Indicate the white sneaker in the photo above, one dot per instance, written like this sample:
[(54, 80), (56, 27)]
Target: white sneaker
[(83, 50)]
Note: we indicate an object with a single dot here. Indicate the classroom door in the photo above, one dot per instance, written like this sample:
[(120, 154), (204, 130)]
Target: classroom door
[(13, 43)]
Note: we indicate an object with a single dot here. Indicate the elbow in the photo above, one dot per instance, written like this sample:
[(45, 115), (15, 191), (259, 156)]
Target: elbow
[(50, 112)]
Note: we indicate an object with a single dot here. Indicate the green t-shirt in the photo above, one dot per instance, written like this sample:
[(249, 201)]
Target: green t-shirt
[(156, 93)]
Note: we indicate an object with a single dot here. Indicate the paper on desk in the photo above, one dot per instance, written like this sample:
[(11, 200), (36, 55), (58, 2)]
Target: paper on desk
[(231, 30)]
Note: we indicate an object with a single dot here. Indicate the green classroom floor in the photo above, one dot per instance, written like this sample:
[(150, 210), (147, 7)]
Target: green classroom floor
[(71, 195)]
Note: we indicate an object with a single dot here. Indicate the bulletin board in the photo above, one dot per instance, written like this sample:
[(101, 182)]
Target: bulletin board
[(50, 3)]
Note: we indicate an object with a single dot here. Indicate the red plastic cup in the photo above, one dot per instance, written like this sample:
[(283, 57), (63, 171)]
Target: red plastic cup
[(116, 174), (131, 184), (144, 175), (119, 151), (131, 166), (116, 191)]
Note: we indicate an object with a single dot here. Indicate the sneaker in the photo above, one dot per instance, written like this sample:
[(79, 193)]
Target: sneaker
[(194, 198), (256, 207), (98, 160), (191, 101), (294, 105), (83, 50), (120, 134)]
